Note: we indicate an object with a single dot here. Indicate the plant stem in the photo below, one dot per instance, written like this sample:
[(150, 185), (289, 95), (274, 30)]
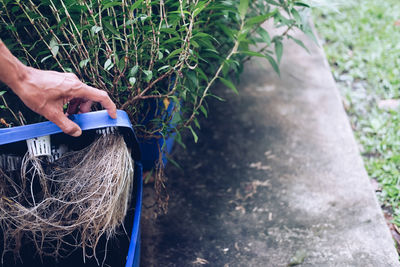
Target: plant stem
[(11, 111)]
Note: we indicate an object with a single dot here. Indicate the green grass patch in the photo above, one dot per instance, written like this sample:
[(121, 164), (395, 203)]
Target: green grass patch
[(362, 41)]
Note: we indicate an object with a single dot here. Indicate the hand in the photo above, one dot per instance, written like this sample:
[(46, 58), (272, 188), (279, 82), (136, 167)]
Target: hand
[(46, 92)]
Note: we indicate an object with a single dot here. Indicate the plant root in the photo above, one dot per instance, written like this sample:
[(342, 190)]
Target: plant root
[(69, 203)]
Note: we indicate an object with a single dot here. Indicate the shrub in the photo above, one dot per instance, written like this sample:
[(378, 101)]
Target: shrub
[(166, 50)]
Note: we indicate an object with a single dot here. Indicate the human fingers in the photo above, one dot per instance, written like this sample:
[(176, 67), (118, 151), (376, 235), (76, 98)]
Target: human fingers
[(97, 95), (73, 106), (79, 105), (85, 106), (65, 124)]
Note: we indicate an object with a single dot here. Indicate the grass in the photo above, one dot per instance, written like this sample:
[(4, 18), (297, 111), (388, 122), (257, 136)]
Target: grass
[(362, 41)]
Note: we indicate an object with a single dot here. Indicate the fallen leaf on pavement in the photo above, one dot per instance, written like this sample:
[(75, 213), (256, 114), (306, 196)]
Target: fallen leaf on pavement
[(200, 261)]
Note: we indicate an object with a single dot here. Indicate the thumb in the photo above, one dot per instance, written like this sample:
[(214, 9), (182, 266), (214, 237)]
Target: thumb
[(66, 125)]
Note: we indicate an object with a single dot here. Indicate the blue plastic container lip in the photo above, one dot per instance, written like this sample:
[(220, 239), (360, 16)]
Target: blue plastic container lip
[(87, 121), (90, 121), (133, 258)]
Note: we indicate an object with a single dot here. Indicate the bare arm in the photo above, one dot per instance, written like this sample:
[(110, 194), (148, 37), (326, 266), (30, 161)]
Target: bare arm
[(46, 92)]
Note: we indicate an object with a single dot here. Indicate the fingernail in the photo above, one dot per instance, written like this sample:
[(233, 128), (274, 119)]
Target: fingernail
[(113, 115), (77, 133)]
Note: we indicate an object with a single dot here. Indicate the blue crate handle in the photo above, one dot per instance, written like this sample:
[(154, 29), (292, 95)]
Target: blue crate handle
[(87, 121)]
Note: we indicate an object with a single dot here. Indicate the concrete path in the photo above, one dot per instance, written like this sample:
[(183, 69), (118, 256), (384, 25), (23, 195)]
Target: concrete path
[(275, 180)]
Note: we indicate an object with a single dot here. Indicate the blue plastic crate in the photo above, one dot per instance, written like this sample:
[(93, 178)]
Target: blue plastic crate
[(151, 147), (12, 139)]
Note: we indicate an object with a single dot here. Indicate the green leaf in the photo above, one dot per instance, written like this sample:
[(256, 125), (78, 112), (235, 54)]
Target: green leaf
[(172, 40), (201, 74), (121, 65), (111, 28), (133, 71), (147, 176), (278, 49), (175, 52), (204, 35), (282, 19), (203, 109), (136, 4), (217, 97), (309, 32), (178, 139), (195, 137), (193, 78), (273, 63), (2, 93), (199, 8), (243, 7), (229, 84), (272, 2), (160, 55), (296, 16), (163, 68), (301, 4), (169, 159), (132, 81), (376, 124), (111, 4), (95, 29), (264, 35), (108, 64), (196, 122), (83, 63), (258, 19), (168, 30), (251, 53), (54, 47), (149, 75), (143, 17), (299, 42), (45, 58), (228, 31)]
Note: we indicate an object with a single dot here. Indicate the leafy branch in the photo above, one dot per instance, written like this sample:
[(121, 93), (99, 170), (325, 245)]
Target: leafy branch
[(138, 51)]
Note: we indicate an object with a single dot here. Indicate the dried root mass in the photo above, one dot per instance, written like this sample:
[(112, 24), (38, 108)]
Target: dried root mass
[(69, 203)]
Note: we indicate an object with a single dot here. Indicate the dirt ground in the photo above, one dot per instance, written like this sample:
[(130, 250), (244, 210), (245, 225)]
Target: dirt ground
[(276, 179)]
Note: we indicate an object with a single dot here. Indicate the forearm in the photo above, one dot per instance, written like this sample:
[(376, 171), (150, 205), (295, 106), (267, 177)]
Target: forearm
[(12, 71)]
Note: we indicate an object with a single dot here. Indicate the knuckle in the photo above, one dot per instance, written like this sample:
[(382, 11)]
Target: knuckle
[(72, 75), (76, 86)]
